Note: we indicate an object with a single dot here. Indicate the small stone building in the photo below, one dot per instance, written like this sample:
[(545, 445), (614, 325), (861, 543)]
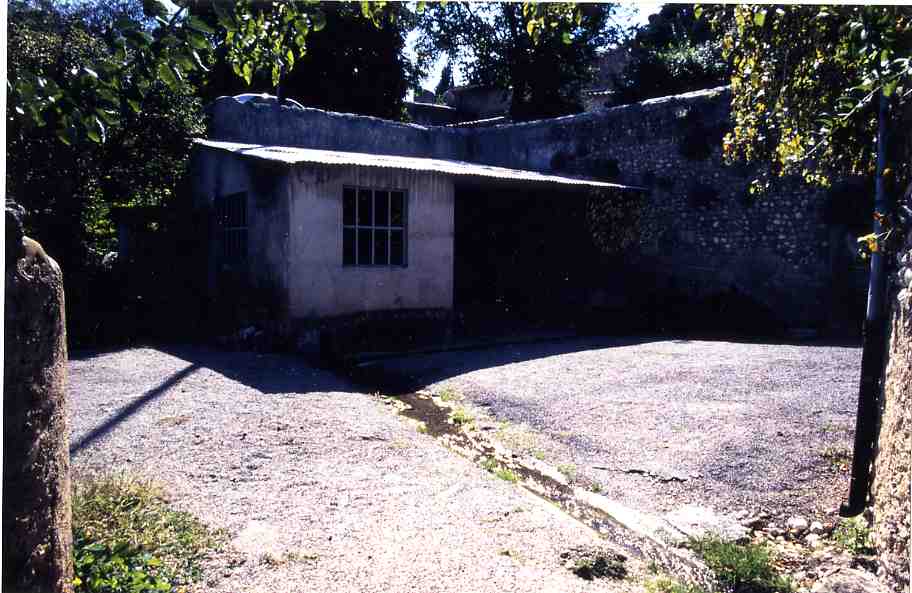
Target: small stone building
[(502, 217), (314, 234)]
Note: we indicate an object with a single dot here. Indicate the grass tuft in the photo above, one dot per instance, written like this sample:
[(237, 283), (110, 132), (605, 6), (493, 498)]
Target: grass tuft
[(490, 464), (568, 469), (599, 567), (448, 394), (127, 539), (663, 584), (740, 568), (460, 417)]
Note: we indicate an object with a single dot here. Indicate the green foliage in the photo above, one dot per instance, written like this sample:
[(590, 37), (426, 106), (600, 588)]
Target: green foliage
[(664, 584), (79, 93), (806, 81), (568, 469), (674, 53), (740, 568), (504, 473), (99, 567), (445, 83), (541, 51), (854, 535), (448, 394), (489, 464), (594, 565), (128, 540), (461, 417), (72, 186)]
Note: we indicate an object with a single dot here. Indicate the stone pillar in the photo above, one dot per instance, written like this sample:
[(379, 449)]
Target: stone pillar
[(37, 531)]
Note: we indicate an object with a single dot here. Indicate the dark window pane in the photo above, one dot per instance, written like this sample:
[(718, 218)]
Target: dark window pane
[(381, 208), (364, 247), (397, 209), (381, 238), (348, 206), (397, 248), (348, 247), (365, 210)]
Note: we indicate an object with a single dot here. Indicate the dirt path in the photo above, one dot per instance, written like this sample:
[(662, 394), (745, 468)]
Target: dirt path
[(321, 487), (661, 423)]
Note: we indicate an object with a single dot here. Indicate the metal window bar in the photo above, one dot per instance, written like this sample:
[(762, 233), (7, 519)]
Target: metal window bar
[(373, 227), (231, 215)]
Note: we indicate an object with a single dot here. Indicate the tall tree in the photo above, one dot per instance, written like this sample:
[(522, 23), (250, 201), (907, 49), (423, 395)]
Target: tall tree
[(806, 82), (674, 53), (446, 81), (360, 64), (543, 53)]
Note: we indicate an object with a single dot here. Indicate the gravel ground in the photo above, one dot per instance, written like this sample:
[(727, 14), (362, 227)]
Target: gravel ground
[(661, 423), (321, 488)]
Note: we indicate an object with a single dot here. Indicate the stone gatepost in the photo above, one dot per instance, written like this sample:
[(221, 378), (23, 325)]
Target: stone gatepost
[(37, 531)]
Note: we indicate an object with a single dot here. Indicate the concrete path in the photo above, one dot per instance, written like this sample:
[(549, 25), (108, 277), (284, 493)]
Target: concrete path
[(659, 423), (321, 487)]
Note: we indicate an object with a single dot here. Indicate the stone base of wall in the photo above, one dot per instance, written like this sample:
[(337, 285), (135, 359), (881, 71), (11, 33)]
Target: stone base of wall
[(338, 340), (892, 489)]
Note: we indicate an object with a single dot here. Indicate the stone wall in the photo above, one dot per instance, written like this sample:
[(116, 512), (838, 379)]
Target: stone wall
[(270, 124), (704, 236), (892, 487)]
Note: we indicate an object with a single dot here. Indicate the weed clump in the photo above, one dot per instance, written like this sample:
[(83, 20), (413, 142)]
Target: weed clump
[(460, 417), (740, 568), (491, 465), (663, 584), (854, 535), (448, 394), (568, 469), (591, 564), (127, 539)]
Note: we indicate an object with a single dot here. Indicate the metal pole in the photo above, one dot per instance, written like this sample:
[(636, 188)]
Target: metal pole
[(874, 342)]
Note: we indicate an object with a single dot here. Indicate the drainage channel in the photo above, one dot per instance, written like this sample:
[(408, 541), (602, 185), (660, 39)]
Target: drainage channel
[(437, 420)]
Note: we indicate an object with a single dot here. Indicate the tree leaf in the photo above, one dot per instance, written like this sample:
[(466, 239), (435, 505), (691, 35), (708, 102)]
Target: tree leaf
[(760, 17), (197, 41), (319, 20), (167, 75), (200, 25)]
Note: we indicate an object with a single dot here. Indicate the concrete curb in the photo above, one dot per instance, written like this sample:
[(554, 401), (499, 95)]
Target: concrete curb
[(644, 536)]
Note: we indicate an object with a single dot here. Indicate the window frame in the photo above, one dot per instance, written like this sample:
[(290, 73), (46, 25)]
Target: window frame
[(373, 226)]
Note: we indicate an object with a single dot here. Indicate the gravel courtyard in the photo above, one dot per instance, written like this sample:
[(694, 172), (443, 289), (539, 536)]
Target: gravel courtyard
[(321, 487), (661, 423)]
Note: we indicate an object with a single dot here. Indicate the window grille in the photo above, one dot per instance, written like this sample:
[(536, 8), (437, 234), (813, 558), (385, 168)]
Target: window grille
[(374, 227), (231, 219)]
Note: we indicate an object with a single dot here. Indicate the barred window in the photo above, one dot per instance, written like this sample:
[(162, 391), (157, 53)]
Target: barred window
[(374, 227), (231, 219)]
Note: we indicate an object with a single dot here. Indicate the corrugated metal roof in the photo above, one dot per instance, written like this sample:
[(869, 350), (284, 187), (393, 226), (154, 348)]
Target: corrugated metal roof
[(293, 155)]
